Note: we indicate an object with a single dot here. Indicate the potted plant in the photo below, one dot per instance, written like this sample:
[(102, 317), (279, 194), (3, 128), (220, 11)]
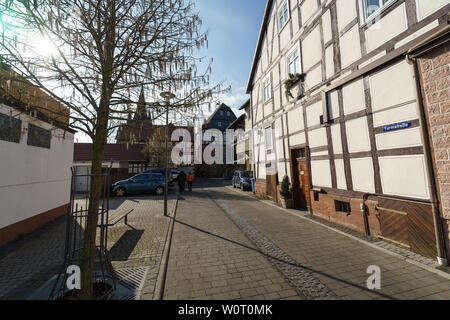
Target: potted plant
[(285, 192), (291, 82)]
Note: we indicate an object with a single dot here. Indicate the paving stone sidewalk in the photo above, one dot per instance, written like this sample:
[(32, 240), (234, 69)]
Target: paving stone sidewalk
[(337, 261), (211, 258), (27, 264)]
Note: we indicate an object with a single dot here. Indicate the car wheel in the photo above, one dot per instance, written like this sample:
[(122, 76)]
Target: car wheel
[(159, 191), (121, 192), (234, 185)]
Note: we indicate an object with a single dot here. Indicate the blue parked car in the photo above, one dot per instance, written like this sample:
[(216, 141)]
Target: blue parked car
[(141, 183), (242, 179)]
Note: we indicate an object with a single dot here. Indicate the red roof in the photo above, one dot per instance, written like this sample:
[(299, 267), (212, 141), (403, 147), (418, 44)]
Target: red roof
[(117, 152), (146, 132)]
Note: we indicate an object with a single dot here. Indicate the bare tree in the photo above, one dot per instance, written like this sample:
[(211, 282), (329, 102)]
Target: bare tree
[(102, 53), (155, 148)]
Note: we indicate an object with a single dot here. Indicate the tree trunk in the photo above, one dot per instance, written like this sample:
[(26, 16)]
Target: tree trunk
[(95, 195)]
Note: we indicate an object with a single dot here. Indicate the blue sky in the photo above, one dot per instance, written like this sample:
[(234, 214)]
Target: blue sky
[(233, 27)]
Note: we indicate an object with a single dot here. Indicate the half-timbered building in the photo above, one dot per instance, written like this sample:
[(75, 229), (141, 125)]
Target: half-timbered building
[(351, 133)]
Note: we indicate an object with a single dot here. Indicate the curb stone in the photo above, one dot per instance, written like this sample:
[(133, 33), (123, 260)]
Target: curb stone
[(161, 280)]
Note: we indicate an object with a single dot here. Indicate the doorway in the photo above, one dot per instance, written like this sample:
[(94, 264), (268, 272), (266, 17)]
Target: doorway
[(301, 185)]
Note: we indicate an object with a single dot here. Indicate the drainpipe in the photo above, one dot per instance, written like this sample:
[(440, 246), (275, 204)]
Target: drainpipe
[(439, 233), (365, 212), (252, 132)]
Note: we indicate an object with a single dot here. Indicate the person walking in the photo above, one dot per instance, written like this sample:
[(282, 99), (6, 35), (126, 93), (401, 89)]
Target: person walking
[(190, 180), (181, 180)]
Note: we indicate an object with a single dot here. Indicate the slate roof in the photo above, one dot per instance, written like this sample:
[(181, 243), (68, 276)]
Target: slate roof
[(214, 119)]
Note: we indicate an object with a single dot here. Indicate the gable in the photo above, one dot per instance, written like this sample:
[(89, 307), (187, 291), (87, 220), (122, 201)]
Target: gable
[(261, 37)]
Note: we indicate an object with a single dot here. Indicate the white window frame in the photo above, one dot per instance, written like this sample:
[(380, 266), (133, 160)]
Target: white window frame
[(284, 9), (363, 9), (266, 131), (291, 53), (267, 83)]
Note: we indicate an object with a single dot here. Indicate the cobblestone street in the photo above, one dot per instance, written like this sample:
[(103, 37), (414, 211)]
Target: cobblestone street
[(27, 264), (228, 246), (225, 246)]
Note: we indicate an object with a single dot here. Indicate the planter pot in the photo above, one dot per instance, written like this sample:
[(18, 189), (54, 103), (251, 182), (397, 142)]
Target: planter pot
[(287, 203)]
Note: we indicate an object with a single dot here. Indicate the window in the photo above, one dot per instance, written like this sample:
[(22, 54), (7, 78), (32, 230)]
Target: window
[(228, 113), (10, 128), (219, 124), (371, 8), (342, 206), (267, 90), (39, 137), (221, 113), (329, 102), (293, 63), (268, 138), (283, 14)]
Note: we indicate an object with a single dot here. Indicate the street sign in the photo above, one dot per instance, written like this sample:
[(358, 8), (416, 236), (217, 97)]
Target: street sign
[(397, 126)]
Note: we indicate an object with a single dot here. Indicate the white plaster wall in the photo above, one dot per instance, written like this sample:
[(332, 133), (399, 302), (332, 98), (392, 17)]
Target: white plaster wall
[(321, 173), (319, 154), (340, 174), (285, 35), (329, 61), (295, 120), (350, 46), (311, 49), (307, 9), (318, 138), (354, 97), (268, 107), (33, 180), (295, 18), (281, 170), (277, 99), (428, 7), (358, 135), (392, 86), (418, 33), (313, 113), (404, 176), (399, 139), (279, 148), (297, 139), (396, 115), (346, 12), (314, 77), (386, 28), (326, 25), (337, 138), (363, 175)]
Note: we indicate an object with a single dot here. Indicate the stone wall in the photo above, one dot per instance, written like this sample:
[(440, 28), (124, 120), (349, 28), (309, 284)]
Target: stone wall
[(435, 76)]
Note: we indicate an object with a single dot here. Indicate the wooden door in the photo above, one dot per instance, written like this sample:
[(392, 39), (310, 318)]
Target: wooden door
[(301, 180)]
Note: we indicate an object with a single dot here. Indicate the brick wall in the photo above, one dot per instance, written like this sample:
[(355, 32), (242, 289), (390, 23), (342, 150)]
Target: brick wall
[(261, 188), (435, 76), (325, 209)]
